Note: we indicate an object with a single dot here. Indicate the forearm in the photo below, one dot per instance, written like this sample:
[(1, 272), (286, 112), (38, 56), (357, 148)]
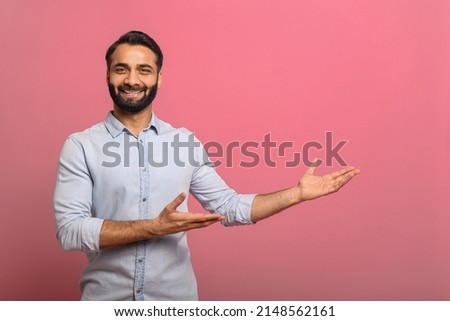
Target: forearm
[(266, 205), (117, 233), (169, 221)]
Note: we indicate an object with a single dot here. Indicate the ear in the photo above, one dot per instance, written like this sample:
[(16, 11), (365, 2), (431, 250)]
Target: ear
[(159, 79), (107, 76)]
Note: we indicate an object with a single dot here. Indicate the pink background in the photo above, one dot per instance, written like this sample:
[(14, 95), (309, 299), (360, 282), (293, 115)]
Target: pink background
[(375, 73)]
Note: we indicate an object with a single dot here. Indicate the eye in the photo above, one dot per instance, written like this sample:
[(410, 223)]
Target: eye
[(146, 71), (120, 70)]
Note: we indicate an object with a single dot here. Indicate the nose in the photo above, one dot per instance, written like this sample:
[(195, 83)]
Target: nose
[(132, 78)]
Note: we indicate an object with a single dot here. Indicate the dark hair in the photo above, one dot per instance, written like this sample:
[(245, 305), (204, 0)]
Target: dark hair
[(136, 38)]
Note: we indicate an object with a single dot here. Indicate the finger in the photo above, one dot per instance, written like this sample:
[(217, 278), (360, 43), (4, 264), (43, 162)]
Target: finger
[(350, 175), (312, 167), (200, 218), (196, 222), (344, 179), (346, 171), (203, 224), (206, 224), (172, 206), (195, 217)]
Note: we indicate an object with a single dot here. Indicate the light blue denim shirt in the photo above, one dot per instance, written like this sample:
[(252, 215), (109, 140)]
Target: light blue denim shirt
[(106, 173)]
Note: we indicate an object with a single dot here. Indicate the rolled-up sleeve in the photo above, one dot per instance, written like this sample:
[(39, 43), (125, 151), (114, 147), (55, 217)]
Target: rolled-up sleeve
[(76, 229), (216, 196)]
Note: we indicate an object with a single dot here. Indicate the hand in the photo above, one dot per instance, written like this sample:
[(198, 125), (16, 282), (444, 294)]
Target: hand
[(171, 221), (312, 186)]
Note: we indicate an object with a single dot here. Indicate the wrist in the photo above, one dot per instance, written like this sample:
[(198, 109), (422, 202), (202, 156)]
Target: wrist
[(152, 227), (296, 194)]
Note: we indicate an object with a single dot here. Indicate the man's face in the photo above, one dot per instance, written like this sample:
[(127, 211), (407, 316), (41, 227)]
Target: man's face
[(133, 77)]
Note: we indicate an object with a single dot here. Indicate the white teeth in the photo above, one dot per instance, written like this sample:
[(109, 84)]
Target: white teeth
[(134, 93)]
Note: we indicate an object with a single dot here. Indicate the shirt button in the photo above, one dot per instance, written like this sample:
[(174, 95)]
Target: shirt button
[(138, 291), (144, 199), (139, 260)]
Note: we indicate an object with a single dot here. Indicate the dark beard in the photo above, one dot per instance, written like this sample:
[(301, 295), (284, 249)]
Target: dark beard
[(133, 107)]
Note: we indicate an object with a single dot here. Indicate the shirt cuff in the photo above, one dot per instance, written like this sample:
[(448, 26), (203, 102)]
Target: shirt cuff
[(241, 215), (90, 241)]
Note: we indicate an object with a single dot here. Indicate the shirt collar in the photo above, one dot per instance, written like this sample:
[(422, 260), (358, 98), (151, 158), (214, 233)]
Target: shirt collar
[(155, 124), (115, 127)]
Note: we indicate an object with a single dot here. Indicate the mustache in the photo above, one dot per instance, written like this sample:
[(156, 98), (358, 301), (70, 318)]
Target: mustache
[(134, 88)]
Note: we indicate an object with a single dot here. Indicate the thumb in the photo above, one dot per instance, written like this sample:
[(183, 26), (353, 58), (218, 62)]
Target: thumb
[(312, 167), (172, 206)]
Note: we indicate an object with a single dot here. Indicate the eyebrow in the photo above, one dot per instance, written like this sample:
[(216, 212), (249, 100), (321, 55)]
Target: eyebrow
[(145, 66), (124, 65)]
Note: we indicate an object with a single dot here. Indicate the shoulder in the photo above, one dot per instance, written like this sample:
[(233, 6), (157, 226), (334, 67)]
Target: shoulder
[(91, 137), (92, 133), (166, 128)]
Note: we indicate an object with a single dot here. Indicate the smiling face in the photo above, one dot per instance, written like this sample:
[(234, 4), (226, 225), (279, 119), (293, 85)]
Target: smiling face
[(133, 77)]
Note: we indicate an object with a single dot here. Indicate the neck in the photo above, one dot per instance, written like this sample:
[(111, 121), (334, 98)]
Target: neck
[(135, 122)]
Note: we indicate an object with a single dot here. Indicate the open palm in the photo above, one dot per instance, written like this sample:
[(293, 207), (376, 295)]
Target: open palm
[(312, 186)]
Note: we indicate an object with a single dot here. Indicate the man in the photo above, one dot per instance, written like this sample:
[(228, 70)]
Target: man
[(122, 186)]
